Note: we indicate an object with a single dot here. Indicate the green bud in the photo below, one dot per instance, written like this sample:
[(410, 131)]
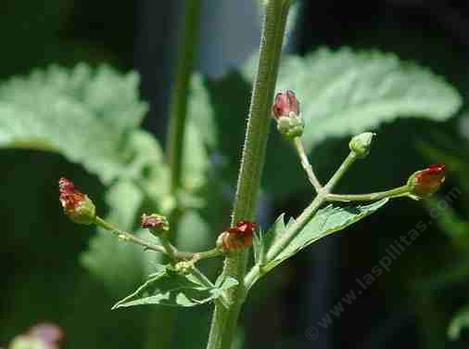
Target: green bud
[(184, 267), (290, 126), (360, 145)]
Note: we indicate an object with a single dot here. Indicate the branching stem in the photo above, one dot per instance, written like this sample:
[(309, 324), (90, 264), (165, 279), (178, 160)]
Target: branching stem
[(392, 193), (166, 247), (306, 164), (225, 320)]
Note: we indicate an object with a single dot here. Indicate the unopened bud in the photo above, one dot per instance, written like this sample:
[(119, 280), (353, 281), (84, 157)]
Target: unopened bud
[(237, 237), (156, 223), (184, 267), (286, 105), (77, 205), (425, 182), (286, 111), (360, 145)]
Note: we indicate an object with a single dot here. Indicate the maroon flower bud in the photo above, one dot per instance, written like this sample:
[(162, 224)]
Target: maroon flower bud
[(77, 206), (285, 104), (237, 237), (156, 223), (426, 182), (286, 111)]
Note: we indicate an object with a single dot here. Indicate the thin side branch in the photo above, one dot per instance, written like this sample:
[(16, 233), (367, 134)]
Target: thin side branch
[(166, 247), (306, 164)]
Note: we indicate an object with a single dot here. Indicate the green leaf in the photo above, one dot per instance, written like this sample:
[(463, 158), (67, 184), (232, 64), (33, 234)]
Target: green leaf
[(200, 136), (85, 114), (328, 220), (458, 323), (342, 93), (117, 264), (168, 287), (259, 246), (345, 92)]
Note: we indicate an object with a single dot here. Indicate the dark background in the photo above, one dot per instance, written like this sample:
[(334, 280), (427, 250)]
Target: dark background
[(40, 277)]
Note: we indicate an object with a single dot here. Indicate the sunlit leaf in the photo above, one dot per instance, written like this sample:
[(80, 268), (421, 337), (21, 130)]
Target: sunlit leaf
[(167, 287)]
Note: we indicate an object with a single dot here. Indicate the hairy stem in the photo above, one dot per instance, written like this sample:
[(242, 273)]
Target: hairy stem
[(125, 236), (306, 164), (349, 160), (259, 270), (166, 247), (276, 11), (392, 193)]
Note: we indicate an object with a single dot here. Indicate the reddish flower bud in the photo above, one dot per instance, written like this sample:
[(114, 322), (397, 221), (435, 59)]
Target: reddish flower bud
[(239, 236), (77, 206), (426, 182), (286, 111), (156, 223), (285, 104)]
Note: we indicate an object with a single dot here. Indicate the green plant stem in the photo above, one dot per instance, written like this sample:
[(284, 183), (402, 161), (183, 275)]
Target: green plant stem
[(125, 236), (180, 92), (175, 153), (166, 247), (259, 270), (222, 300), (392, 193), (349, 160), (306, 164), (169, 248), (224, 320)]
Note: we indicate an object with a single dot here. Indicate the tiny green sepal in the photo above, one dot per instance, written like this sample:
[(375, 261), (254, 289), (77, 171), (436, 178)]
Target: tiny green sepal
[(290, 126), (360, 145)]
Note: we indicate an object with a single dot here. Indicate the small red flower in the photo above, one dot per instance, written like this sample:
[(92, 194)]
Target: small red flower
[(286, 105), (428, 181), (70, 196), (239, 236), (76, 205), (156, 223)]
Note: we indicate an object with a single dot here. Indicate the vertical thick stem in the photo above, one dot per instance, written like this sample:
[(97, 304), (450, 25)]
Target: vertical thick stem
[(179, 100), (161, 321), (276, 11)]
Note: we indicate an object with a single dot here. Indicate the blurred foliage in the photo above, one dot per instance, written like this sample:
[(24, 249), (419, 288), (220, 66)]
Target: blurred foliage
[(40, 274), (451, 211)]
